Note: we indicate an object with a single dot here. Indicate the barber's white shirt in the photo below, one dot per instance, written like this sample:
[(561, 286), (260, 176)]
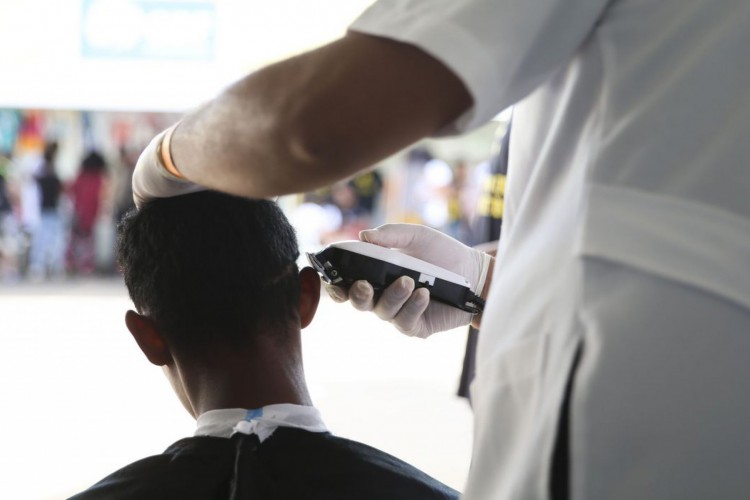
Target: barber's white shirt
[(629, 144)]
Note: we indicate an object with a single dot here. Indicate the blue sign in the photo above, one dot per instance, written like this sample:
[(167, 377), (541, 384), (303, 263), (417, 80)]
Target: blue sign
[(149, 29)]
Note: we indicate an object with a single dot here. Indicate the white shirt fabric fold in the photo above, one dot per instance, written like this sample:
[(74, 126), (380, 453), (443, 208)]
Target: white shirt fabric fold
[(630, 147)]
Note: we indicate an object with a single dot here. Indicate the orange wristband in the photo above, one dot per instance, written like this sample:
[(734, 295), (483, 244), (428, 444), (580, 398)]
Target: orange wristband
[(165, 155)]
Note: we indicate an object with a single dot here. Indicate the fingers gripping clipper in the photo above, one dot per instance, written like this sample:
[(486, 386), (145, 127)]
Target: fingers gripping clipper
[(345, 262)]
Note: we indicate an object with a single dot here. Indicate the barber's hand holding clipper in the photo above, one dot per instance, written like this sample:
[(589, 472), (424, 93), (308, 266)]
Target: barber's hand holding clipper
[(155, 174), (410, 310)]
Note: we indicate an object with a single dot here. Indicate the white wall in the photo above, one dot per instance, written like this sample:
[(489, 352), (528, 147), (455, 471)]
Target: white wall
[(140, 55)]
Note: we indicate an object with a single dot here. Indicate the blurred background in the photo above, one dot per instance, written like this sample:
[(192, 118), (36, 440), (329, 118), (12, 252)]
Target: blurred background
[(85, 85)]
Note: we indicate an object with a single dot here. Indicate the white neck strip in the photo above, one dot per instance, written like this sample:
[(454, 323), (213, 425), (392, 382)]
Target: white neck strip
[(261, 422)]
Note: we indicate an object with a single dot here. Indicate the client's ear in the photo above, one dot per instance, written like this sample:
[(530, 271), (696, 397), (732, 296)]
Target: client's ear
[(148, 338), (309, 295)]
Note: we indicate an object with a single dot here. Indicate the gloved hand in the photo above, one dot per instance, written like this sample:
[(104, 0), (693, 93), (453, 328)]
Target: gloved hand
[(409, 310), (152, 180)]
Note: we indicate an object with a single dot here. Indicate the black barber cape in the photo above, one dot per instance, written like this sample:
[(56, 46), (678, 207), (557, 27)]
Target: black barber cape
[(291, 464)]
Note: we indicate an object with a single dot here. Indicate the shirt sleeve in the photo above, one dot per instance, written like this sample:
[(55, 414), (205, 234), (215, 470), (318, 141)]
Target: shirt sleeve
[(501, 49)]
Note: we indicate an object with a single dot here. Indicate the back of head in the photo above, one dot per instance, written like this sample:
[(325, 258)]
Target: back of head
[(211, 269)]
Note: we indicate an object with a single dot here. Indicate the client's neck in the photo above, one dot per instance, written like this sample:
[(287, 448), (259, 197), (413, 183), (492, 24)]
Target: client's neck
[(271, 372)]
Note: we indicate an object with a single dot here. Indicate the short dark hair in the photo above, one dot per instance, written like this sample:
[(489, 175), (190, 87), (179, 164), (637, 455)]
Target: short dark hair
[(210, 268)]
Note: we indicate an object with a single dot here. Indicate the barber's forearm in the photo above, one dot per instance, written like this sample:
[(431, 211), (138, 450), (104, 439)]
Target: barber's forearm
[(232, 144), (316, 118)]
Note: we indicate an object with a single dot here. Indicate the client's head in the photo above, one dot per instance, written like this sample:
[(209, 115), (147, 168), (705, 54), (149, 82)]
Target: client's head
[(212, 276)]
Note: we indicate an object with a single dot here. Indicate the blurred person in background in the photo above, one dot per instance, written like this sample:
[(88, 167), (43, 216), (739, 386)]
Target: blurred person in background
[(6, 209), (9, 236), (338, 212), (88, 193), (122, 190), (460, 207), (353, 218), (368, 188), (47, 258)]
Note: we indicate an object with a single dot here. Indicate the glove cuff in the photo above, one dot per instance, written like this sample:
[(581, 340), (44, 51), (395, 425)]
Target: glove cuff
[(164, 153), (486, 258)]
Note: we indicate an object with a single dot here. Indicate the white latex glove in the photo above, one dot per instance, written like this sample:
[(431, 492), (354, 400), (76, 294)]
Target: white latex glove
[(409, 310), (151, 180)]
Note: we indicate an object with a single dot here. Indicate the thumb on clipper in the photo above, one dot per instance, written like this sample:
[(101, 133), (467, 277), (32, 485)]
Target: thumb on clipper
[(391, 235)]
